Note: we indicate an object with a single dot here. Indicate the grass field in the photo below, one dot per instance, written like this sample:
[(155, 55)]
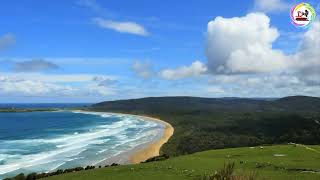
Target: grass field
[(272, 162)]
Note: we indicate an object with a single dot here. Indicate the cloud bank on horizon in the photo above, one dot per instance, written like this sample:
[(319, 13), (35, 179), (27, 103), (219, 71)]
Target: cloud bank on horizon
[(243, 56)]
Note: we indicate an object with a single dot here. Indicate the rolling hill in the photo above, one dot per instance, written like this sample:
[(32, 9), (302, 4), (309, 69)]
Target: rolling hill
[(281, 162), (214, 123)]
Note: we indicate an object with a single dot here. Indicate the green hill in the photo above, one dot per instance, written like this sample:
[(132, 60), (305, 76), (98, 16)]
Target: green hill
[(272, 162), (215, 123), (149, 104)]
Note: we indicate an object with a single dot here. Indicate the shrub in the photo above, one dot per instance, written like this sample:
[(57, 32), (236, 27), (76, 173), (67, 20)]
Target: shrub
[(31, 176), (19, 177), (157, 158), (114, 164), (78, 168), (226, 173)]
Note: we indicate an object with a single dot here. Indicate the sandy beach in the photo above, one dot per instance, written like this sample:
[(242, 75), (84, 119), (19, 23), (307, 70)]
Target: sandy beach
[(144, 151), (152, 149)]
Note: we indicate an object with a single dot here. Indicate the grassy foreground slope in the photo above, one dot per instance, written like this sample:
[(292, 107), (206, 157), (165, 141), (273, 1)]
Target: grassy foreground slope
[(272, 162)]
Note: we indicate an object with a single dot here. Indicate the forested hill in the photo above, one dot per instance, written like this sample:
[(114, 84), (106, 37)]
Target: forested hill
[(214, 123), (151, 104)]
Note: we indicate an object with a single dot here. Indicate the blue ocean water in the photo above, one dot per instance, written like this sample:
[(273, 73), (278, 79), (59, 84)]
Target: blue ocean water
[(46, 141)]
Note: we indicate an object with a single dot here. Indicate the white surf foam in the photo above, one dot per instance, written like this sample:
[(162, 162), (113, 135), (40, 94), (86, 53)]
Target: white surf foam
[(71, 145)]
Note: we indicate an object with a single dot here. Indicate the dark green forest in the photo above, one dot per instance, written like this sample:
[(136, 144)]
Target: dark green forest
[(214, 123)]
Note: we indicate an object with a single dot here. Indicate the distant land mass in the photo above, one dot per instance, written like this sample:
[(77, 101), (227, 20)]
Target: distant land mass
[(215, 123), (42, 105)]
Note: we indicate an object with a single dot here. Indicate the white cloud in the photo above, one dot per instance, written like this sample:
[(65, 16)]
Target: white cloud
[(215, 90), (122, 27), (243, 62), (243, 45), (94, 89), (271, 5), (104, 80), (248, 65), (6, 41), (35, 84), (258, 81), (55, 78), (143, 69), (195, 69), (307, 59), (262, 85), (32, 88)]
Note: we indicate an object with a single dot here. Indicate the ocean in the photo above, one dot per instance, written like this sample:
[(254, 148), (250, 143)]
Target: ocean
[(47, 141)]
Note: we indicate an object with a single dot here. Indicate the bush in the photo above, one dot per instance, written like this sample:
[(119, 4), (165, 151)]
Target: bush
[(31, 176), (19, 177), (78, 168), (89, 167), (226, 173), (157, 158), (114, 164)]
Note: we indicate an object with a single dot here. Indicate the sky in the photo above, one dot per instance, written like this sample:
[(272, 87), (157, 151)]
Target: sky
[(94, 50)]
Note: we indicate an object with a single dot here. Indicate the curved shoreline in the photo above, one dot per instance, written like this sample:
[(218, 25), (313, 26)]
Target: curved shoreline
[(147, 150), (152, 149)]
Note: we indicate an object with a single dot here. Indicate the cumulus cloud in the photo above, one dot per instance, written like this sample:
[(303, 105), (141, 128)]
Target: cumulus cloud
[(251, 52), (143, 69), (298, 73), (122, 27), (271, 5), (34, 65), (307, 59), (6, 41), (195, 69), (306, 62), (241, 60), (243, 45)]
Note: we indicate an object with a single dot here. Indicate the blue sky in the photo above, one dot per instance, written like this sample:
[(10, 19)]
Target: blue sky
[(93, 50)]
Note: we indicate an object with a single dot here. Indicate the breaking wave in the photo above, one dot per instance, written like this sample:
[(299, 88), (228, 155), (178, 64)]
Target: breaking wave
[(79, 148)]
